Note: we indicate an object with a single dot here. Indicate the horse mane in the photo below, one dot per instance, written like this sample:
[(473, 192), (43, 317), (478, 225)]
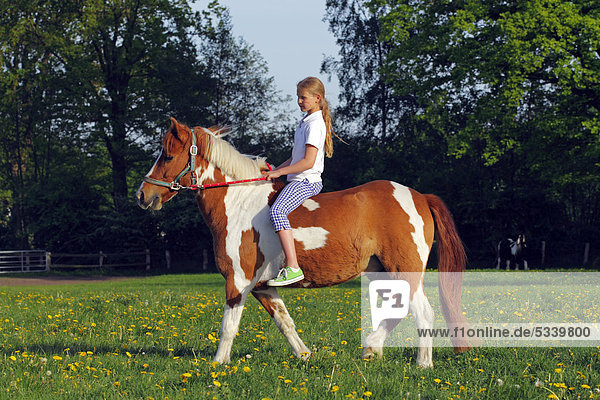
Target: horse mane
[(225, 157)]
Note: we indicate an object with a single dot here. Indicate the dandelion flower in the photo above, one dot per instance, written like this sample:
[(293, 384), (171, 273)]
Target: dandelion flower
[(217, 383), (335, 388), (246, 369)]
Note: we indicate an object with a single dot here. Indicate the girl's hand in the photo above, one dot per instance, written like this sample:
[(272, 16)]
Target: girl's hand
[(270, 175)]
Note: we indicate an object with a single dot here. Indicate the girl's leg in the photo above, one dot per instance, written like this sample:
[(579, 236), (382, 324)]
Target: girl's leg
[(289, 249), (288, 200)]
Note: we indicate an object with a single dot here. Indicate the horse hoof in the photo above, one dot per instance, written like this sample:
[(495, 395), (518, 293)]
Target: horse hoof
[(371, 353), (222, 360), (425, 364)]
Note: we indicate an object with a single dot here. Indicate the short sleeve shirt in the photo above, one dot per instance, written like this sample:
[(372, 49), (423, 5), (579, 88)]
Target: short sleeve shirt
[(311, 131)]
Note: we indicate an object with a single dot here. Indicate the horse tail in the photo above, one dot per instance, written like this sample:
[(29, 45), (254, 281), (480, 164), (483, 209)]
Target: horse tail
[(452, 261)]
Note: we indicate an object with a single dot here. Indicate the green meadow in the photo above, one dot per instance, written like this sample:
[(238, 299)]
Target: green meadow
[(154, 338)]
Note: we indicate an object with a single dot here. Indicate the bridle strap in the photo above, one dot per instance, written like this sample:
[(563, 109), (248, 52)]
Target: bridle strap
[(191, 168)]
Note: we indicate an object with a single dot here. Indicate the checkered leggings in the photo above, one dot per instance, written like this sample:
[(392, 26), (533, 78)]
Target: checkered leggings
[(292, 195)]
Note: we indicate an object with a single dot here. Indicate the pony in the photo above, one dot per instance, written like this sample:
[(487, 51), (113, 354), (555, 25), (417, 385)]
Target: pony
[(378, 226), (510, 252)]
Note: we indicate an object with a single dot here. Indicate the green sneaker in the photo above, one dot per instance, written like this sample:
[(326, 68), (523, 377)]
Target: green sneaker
[(286, 276)]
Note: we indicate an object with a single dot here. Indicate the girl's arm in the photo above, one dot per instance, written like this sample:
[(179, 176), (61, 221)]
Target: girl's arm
[(310, 155)]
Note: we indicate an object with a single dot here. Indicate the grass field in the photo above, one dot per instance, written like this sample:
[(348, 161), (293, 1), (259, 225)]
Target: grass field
[(154, 338)]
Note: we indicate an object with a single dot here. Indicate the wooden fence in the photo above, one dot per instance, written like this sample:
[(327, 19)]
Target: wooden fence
[(101, 260)]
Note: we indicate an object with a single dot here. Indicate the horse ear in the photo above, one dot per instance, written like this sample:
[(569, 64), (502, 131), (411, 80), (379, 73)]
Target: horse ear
[(177, 130)]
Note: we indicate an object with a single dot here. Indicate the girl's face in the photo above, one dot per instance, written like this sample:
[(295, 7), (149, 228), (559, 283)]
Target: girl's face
[(308, 102)]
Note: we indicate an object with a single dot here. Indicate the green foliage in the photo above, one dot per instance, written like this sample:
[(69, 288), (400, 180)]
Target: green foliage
[(495, 109), (87, 89)]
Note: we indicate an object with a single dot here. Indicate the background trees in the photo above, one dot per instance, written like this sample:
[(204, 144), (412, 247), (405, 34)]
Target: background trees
[(491, 105)]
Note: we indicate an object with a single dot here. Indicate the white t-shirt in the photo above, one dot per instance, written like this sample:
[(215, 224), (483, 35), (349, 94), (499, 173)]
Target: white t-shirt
[(310, 131)]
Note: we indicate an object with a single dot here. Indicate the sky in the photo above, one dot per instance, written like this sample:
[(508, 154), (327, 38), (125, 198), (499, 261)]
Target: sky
[(291, 37)]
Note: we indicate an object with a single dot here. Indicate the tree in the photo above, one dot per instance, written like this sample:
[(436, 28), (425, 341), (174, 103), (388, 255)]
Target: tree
[(245, 96)]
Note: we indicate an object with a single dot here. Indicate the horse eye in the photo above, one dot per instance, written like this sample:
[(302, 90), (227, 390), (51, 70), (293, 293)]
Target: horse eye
[(168, 158)]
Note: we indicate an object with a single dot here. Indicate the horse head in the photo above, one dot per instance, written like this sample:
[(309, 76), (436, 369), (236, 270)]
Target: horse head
[(190, 157), (177, 166)]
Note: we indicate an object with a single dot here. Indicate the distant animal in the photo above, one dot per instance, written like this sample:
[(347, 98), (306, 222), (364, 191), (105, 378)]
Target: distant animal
[(379, 226), (511, 252)]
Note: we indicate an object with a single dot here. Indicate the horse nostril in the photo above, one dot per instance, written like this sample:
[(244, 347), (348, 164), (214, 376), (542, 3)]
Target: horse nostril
[(141, 197)]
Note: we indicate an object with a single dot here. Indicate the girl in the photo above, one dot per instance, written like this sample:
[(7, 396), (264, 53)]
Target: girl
[(312, 141)]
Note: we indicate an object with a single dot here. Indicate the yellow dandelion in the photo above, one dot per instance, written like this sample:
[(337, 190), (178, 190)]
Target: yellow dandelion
[(116, 384), (246, 369), (217, 383), (287, 381), (558, 370), (57, 358), (367, 394), (585, 386), (436, 380), (335, 388), (128, 354)]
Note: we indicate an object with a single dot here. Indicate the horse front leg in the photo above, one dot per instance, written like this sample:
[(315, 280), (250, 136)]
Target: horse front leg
[(272, 302), (232, 314)]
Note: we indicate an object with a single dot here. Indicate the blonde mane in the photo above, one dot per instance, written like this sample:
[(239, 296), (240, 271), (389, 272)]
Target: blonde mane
[(230, 161)]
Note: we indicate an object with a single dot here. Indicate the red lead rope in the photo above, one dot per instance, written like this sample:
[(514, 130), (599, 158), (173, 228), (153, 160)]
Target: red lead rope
[(219, 184)]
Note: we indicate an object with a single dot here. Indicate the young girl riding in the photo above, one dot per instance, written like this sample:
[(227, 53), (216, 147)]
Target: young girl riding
[(312, 141)]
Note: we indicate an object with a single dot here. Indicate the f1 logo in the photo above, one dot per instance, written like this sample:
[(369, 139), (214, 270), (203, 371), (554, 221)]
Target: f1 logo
[(388, 299)]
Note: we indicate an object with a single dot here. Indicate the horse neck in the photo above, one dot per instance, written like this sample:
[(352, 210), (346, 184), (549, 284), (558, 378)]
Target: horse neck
[(215, 203)]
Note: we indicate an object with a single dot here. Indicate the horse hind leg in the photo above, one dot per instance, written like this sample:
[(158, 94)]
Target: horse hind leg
[(423, 314), (373, 347), (274, 305)]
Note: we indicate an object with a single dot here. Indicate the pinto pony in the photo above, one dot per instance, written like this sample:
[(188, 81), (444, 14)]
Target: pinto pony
[(378, 226), (512, 252)]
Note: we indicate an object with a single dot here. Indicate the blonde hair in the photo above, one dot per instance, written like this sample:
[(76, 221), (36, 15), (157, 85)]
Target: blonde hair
[(315, 87)]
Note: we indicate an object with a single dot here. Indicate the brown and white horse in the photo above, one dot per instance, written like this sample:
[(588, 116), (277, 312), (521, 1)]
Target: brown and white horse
[(378, 226)]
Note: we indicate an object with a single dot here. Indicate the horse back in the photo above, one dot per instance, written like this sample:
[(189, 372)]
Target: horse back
[(381, 219)]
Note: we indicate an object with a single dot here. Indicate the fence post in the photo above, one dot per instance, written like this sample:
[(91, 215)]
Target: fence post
[(101, 259), (543, 252), (586, 253), (48, 260), (204, 259), (168, 258), (147, 259)]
